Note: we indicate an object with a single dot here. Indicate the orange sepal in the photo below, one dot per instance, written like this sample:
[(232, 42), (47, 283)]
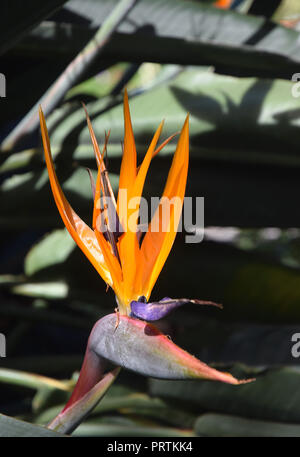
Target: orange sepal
[(83, 236), (129, 246), (157, 244), (128, 165)]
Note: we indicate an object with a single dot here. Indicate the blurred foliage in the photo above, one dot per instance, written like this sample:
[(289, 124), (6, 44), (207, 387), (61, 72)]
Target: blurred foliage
[(232, 70)]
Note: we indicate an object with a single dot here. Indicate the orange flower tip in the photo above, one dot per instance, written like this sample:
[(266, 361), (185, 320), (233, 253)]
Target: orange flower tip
[(84, 107), (160, 127), (125, 97), (41, 114)]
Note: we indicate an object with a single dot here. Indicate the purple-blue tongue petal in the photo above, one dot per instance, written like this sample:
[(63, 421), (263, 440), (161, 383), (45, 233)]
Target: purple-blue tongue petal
[(157, 310)]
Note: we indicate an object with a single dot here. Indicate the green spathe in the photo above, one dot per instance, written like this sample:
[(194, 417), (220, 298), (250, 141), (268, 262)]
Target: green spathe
[(140, 347)]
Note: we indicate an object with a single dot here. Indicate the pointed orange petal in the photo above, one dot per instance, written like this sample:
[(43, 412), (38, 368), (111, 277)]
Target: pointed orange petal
[(139, 182), (96, 211), (80, 232), (129, 246), (157, 244), (97, 151), (112, 264), (223, 4), (128, 166), (103, 185), (162, 145), (99, 156)]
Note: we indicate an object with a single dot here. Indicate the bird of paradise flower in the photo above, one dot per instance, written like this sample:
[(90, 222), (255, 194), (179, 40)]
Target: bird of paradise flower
[(131, 267)]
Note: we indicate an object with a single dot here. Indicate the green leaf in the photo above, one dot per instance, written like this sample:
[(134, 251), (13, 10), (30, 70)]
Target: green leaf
[(223, 341), (31, 380), (225, 425), (71, 74), (49, 290), (274, 396), (261, 113), (288, 10), (172, 31), (226, 275), (94, 429), (37, 207), (51, 250), (218, 105), (13, 428), (46, 399), (100, 85), (117, 391), (137, 405)]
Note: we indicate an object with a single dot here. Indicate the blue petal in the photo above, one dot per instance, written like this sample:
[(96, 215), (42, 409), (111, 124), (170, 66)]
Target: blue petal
[(157, 310)]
